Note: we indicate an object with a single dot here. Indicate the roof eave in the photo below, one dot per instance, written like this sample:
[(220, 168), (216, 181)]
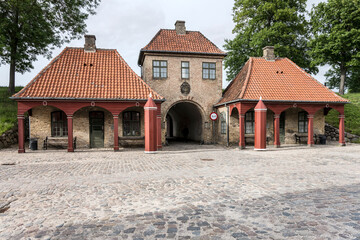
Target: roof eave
[(280, 101), (142, 51), (84, 99)]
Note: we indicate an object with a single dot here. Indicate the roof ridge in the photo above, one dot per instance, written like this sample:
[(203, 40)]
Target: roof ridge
[(158, 33), (242, 92), (41, 72), (211, 42), (141, 80), (322, 85)]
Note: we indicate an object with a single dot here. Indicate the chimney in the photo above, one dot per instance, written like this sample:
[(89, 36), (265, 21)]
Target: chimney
[(180, 27), (269, 54), (90, 45)]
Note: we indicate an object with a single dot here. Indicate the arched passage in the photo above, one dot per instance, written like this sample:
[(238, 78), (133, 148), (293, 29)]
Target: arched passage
[(184, 122)]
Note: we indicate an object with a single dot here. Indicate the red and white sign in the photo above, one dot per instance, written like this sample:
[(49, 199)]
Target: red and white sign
[(213, 116)]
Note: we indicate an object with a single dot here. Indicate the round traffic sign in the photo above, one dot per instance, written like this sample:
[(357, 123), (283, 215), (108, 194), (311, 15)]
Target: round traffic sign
[(213, 116)]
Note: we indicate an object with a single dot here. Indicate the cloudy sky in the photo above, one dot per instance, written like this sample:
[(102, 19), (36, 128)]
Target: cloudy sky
[(128, 25)]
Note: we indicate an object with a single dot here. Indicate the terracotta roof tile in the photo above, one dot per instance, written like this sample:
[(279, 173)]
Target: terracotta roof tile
[(75, 73), (167, 40), (279, 80)]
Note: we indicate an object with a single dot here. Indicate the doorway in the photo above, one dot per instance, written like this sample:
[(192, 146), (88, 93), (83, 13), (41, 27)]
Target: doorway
[(184, 123), (282, 127), (96, 119)]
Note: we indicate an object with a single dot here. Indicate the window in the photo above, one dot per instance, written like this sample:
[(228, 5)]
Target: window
[(131, 124), (303, 122), (185, 73), (159, 69), (249, 122), (59, 124), (209, 71), (223, 123)]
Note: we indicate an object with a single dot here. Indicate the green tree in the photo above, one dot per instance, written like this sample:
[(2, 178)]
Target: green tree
[(352, 81), (29, 28), (260, 23), (335, 27)]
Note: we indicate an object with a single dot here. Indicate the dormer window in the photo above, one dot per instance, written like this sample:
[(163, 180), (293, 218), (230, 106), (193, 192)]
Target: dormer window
[(159, 69), (209, 70)]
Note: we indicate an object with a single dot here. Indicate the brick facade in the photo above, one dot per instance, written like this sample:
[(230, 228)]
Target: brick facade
[(203, 92)]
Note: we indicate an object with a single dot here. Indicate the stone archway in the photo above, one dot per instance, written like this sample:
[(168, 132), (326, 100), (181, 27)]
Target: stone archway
[(186, 122)]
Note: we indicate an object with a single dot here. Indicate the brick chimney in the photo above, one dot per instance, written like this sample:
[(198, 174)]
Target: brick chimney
[(269, 54), (90, 45), (180, 27)]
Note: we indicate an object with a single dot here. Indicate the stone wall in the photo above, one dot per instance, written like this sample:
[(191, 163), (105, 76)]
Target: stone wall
[(332, 134), (9, 138), (203, 92)]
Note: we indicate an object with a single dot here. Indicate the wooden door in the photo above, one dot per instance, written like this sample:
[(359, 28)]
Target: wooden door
[(96, 119)]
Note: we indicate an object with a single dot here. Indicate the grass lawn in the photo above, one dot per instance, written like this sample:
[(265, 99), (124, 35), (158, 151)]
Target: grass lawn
[(8, 110), (352, 114)]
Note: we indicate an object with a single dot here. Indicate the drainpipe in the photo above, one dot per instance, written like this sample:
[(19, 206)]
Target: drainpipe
[(227, 126), (213, 127)]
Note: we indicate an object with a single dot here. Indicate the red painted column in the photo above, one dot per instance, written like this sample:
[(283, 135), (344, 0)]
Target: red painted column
[(342, 130), (242, 131), (21, 132), (277, 130), (158, 134), (310, 130), (70, 133), (150, 126), (260, 126), (116, 132)]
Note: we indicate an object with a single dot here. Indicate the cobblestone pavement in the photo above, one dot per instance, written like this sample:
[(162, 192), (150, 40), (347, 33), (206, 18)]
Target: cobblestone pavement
[(182, 192)]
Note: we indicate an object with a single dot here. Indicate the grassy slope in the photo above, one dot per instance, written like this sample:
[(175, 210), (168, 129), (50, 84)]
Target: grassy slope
[(8, 110), (352, 114)]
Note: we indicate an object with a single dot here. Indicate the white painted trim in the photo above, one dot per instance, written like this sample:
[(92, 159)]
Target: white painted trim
[(149, 152), (150, 108), (260, 109), (260, 149)]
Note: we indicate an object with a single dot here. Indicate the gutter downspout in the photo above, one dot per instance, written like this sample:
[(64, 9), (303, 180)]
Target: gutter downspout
[(227, 126)]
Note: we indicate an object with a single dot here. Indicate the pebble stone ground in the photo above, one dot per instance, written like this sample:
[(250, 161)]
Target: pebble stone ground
[(183, 192)]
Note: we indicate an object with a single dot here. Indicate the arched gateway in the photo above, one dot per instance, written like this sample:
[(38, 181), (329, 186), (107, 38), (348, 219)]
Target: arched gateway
[(184, 122)]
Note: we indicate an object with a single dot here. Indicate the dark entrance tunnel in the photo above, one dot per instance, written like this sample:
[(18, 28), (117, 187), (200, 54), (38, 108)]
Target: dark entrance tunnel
[(184, 122)]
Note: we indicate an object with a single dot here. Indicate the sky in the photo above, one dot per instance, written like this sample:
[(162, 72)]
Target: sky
[(128, 25)]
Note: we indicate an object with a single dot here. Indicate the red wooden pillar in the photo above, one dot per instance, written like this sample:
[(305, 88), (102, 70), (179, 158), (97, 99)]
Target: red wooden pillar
[(310, 130), (70, 133), (342, 130), (242, 131), (277, 130), (150, 126), (21, 132), (158, 128), (260, 126), (116, 132)]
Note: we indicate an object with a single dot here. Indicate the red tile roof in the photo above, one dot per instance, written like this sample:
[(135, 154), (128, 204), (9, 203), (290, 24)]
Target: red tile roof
[(279, 80), (167, 40), (75, 73)]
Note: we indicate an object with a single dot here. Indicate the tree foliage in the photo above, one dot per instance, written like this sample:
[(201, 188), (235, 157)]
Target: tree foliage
[(29, 28), (260, 23), (352, 81), (335, 26)]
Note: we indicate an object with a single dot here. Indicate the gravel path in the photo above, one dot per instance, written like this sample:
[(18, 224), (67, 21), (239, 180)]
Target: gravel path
[(183, 192)]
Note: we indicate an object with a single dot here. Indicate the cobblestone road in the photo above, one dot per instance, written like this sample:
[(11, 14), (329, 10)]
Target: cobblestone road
[(183, 192)]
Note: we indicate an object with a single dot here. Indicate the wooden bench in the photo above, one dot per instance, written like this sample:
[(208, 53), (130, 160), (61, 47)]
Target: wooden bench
[(299, 137), (57, 142), (132, 141)]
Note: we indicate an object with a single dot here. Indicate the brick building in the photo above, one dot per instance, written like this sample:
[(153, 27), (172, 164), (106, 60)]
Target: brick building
[(92, 95)]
